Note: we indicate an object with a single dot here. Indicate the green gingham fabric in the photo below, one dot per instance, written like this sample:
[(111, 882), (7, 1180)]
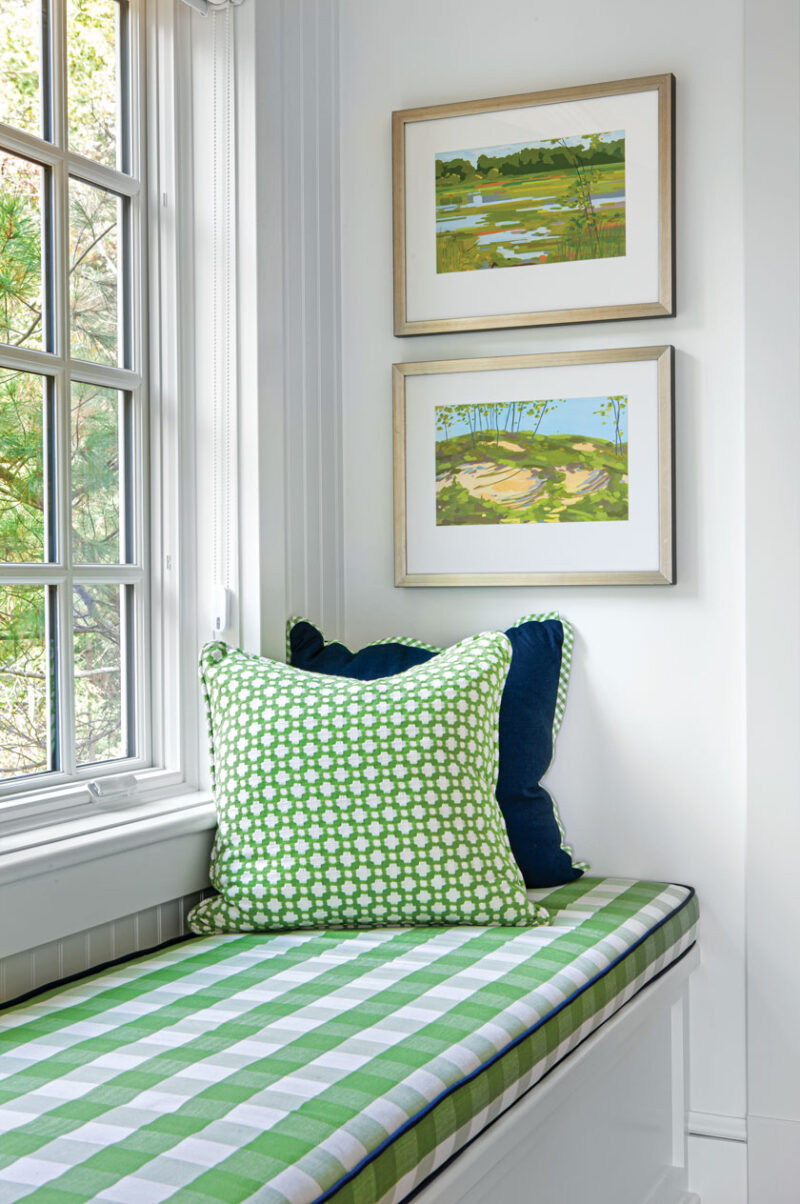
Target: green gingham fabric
[(300, 1067), (349, 803)]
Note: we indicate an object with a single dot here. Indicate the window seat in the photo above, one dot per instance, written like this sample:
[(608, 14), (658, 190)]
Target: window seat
[(310, 1066)]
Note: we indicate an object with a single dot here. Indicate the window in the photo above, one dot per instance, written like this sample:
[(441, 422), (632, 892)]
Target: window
[(74, 582)]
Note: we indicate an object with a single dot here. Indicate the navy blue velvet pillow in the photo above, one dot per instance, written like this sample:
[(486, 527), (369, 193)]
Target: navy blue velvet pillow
[(530, 715)]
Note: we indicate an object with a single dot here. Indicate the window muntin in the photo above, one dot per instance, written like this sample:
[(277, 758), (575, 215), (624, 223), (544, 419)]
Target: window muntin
[(73, 469)]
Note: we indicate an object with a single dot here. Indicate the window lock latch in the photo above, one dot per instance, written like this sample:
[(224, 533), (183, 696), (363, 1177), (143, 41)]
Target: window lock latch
[(112, 788)]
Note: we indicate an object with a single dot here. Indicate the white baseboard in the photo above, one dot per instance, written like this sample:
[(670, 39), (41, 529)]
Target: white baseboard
[(671, 1189)]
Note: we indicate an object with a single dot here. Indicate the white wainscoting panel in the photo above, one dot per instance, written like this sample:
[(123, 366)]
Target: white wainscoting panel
[(50, 963), (774, 1162)]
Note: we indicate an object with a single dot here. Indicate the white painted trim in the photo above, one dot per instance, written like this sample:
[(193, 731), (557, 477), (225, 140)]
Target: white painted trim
[(214, 317), (514, 1139), (174, 683), (711, 1124), (129, 876), (260, 429), (288, 276), (64, 797), (312, 324), (222, 333), (679, 1075), (665, 1192), (67, 844)]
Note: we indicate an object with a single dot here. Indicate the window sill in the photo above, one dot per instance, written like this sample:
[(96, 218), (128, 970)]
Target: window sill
[(101, 829), (74, 874)]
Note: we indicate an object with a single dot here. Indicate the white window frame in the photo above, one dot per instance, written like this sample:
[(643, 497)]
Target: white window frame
[(159, 189)]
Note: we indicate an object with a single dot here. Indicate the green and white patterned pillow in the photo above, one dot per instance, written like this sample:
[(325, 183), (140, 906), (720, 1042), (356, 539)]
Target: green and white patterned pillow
[(350, 804)]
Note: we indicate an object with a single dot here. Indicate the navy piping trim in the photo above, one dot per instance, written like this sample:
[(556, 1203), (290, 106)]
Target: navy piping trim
[(434, 1174), (115, 961), (415, 1120)]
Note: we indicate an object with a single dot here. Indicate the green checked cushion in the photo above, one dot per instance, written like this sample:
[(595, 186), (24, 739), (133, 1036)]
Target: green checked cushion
[(338, 1066), (350, 804)]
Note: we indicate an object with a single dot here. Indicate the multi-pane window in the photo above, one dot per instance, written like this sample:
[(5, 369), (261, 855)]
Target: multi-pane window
[(73, 582)]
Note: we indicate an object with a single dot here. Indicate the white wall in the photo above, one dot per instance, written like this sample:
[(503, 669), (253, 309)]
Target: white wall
[(650, 770), (772, 293)]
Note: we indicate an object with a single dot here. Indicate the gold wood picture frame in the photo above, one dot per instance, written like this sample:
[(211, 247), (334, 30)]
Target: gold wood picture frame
[(573, 188), (549, 469)]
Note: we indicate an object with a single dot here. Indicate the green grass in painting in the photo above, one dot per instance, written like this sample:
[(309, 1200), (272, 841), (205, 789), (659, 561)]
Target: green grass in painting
[(498, 476), (569, 209)]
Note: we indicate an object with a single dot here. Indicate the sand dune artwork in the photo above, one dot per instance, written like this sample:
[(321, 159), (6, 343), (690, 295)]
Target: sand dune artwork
[(552, 460)]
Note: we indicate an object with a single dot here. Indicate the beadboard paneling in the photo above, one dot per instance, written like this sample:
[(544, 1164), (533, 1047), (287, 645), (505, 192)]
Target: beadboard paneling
[(33, 968)]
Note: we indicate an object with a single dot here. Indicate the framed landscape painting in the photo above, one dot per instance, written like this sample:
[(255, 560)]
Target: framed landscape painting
[(535, 470), (573, 189)]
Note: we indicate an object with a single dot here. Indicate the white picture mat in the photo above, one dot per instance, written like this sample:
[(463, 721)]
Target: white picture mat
[(626, 280), (618, 546)]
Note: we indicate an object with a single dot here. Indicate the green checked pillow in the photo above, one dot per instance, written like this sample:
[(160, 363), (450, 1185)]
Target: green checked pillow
[(530, 714), (350, 804)]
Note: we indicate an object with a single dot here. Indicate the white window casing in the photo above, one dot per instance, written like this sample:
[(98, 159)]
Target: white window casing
[(50, 811)]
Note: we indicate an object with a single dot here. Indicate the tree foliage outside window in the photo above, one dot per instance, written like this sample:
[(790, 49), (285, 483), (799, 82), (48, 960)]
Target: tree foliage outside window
[(21, 300), (92, 43), (90, 417), (20, 37)]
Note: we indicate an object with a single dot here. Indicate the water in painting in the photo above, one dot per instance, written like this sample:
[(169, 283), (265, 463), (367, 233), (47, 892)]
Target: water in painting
[(527, 204)]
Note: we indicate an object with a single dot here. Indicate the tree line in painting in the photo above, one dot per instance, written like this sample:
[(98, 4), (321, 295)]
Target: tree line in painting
[(555, 201), (494, 463), (550, 156)]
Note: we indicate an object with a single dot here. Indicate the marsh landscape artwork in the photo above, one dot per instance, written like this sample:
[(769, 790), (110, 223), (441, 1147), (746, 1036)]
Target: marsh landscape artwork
[(533, 203), (553, 460)]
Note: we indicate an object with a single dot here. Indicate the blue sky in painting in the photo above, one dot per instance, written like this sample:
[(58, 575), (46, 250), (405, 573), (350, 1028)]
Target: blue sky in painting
[(571, 416), (511, 148)]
